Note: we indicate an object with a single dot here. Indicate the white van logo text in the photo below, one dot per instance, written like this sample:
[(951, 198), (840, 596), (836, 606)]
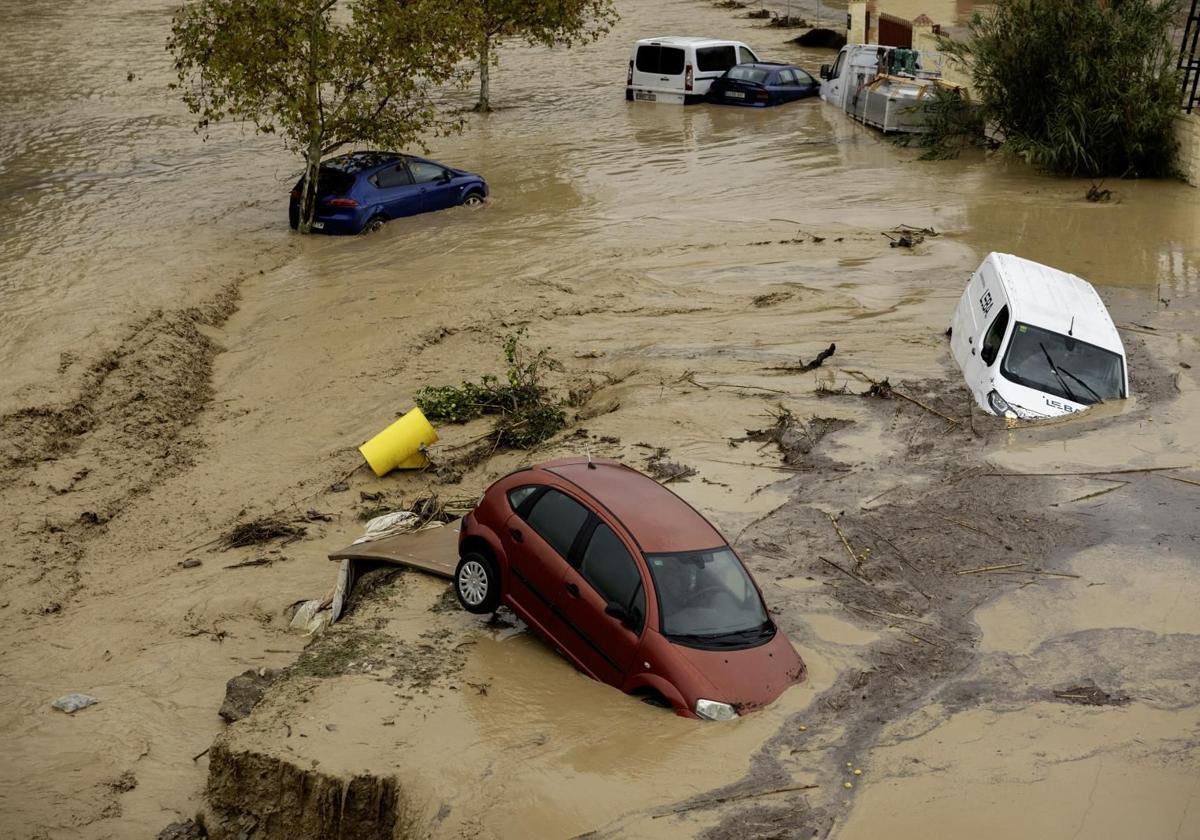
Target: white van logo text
[(986, 302)]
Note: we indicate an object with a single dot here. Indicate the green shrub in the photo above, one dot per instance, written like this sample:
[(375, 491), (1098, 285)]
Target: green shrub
[(526, 411), (1082, 87)]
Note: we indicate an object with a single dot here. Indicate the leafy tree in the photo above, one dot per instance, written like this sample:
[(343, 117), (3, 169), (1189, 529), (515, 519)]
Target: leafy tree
[(1084, 87), (322, 74), (549, 22)]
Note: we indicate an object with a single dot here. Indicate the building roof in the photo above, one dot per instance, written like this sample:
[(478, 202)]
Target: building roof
[(1056, 300), (660, 521)]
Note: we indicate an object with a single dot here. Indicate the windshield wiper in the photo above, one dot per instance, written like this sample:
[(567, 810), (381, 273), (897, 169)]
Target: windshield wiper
[(1084, 384), (1054, 370), (732, 637)]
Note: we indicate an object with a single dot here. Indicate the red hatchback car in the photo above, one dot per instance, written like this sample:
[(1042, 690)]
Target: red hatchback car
[(630, 583)]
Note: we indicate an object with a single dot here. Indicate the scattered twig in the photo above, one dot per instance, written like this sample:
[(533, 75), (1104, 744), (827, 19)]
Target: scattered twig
[(988, 569), (690, 376), (718, 800), (858, 559), (858, 578), (1038, 572), (257, 561), (965, 525), (891, 615), (201, 754), (1179, 478), (1101, 492), (1092, 472), (805, 367)]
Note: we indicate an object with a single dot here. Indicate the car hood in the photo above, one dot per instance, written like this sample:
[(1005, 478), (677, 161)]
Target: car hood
[(747, 679)]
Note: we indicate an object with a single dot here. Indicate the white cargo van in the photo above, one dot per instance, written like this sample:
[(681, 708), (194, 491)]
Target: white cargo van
[(678, 71), (1033, 341)]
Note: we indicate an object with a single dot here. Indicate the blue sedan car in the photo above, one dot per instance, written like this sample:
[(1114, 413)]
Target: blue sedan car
[(762, 84), (360, 192)]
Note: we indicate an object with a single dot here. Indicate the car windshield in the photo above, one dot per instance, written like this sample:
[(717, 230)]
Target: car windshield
[(707, 594), (1064, 366), (747, 74)]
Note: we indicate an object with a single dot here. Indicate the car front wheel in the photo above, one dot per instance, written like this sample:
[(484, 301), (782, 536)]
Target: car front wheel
[(477, 583), (473, 199)]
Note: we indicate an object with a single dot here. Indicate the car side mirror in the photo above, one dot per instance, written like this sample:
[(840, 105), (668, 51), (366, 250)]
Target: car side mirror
[(826, 72), (446, 177)]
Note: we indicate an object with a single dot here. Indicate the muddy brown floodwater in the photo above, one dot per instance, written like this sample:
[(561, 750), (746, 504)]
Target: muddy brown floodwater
[(174, 361)]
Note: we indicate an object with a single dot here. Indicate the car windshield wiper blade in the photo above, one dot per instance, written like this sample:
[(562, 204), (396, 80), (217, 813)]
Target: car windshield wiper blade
[(1084, 384), (1054, 370)]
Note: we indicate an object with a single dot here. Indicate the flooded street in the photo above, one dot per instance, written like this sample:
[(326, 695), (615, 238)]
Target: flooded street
[(175, 360)]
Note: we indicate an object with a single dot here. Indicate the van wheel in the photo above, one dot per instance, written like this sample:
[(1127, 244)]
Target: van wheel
[(477, 583), (376, 223), (472, 199)]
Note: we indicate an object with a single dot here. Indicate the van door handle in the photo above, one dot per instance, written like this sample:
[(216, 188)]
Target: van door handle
[(573, 590), (516, 535), (664, 78)]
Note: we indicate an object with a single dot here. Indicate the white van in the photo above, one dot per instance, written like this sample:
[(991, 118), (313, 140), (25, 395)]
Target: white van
[(679, 71), (1033, 341)]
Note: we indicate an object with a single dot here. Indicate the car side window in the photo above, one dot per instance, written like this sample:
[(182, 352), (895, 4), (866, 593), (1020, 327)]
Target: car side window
[(787, 77), (994, 337), (745, 56), (557, 519), (425, 173), (518, 495), (715, 59), (804, 77), (393, 176), (609, 567), (837, 65)]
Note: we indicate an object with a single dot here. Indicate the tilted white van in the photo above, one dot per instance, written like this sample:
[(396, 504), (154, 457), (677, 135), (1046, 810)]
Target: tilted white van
[(1033, 341), (679, 71)]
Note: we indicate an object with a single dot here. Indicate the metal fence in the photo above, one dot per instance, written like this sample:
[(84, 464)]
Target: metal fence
[(1189, 60)]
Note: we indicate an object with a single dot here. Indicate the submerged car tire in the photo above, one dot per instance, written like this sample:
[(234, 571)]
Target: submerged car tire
[(375, 224), (477, 583), (472, 199)]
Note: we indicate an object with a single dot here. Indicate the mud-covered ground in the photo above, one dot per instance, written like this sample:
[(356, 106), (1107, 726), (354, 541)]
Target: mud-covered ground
[(175, 366)]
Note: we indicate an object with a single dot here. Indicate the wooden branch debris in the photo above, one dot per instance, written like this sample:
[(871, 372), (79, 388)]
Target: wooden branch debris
[(849, 574), (690, 376), (1180, 478), (718, 800), (858, 559), (982, 569), (1091, 472)]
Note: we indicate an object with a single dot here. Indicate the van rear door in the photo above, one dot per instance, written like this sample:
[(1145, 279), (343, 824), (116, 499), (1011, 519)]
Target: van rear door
[(658, 73)]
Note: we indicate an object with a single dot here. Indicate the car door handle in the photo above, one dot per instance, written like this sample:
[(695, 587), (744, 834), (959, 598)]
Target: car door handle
[(573, 590), (516, 535)]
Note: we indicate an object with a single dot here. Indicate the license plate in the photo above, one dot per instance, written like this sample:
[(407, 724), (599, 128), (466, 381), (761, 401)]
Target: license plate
[(318, 225), (644, 95), (735, 94)]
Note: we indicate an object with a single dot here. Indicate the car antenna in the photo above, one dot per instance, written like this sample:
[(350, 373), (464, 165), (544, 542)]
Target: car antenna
[(1071, 329), (588, 450)]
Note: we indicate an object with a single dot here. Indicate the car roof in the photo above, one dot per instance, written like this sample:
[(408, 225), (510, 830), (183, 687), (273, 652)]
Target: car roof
[(356, 162), (658, 520), (1050, 298), (688, 40)]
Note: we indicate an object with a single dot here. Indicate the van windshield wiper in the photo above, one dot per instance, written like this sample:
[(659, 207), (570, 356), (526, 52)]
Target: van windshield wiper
[(1084, 384), (1054, 370)]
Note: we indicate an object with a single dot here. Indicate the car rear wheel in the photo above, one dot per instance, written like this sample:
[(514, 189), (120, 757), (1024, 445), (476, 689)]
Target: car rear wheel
[(477, 583), (374, 225), (473, 199)]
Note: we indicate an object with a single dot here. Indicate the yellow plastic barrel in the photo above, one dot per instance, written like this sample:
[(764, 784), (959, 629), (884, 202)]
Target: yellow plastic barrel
[(399, 445)]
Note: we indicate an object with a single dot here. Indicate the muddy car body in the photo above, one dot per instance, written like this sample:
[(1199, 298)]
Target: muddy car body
[(762, 85), (1033, 341), (629, 583)]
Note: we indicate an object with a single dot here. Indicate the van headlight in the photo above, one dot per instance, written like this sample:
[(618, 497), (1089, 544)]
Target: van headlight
[(1000, 406), (712, 710)]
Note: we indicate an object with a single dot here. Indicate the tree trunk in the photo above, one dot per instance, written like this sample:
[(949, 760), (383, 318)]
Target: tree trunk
[(312, 157), (485, 75)]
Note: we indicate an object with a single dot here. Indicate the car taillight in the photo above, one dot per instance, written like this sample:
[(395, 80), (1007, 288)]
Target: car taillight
[(687, 77), (629, 78), (761, 95), (342, 202), (296, 194)]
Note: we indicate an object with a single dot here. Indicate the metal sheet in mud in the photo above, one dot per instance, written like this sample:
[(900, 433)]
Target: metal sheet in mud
[(434, 550)]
